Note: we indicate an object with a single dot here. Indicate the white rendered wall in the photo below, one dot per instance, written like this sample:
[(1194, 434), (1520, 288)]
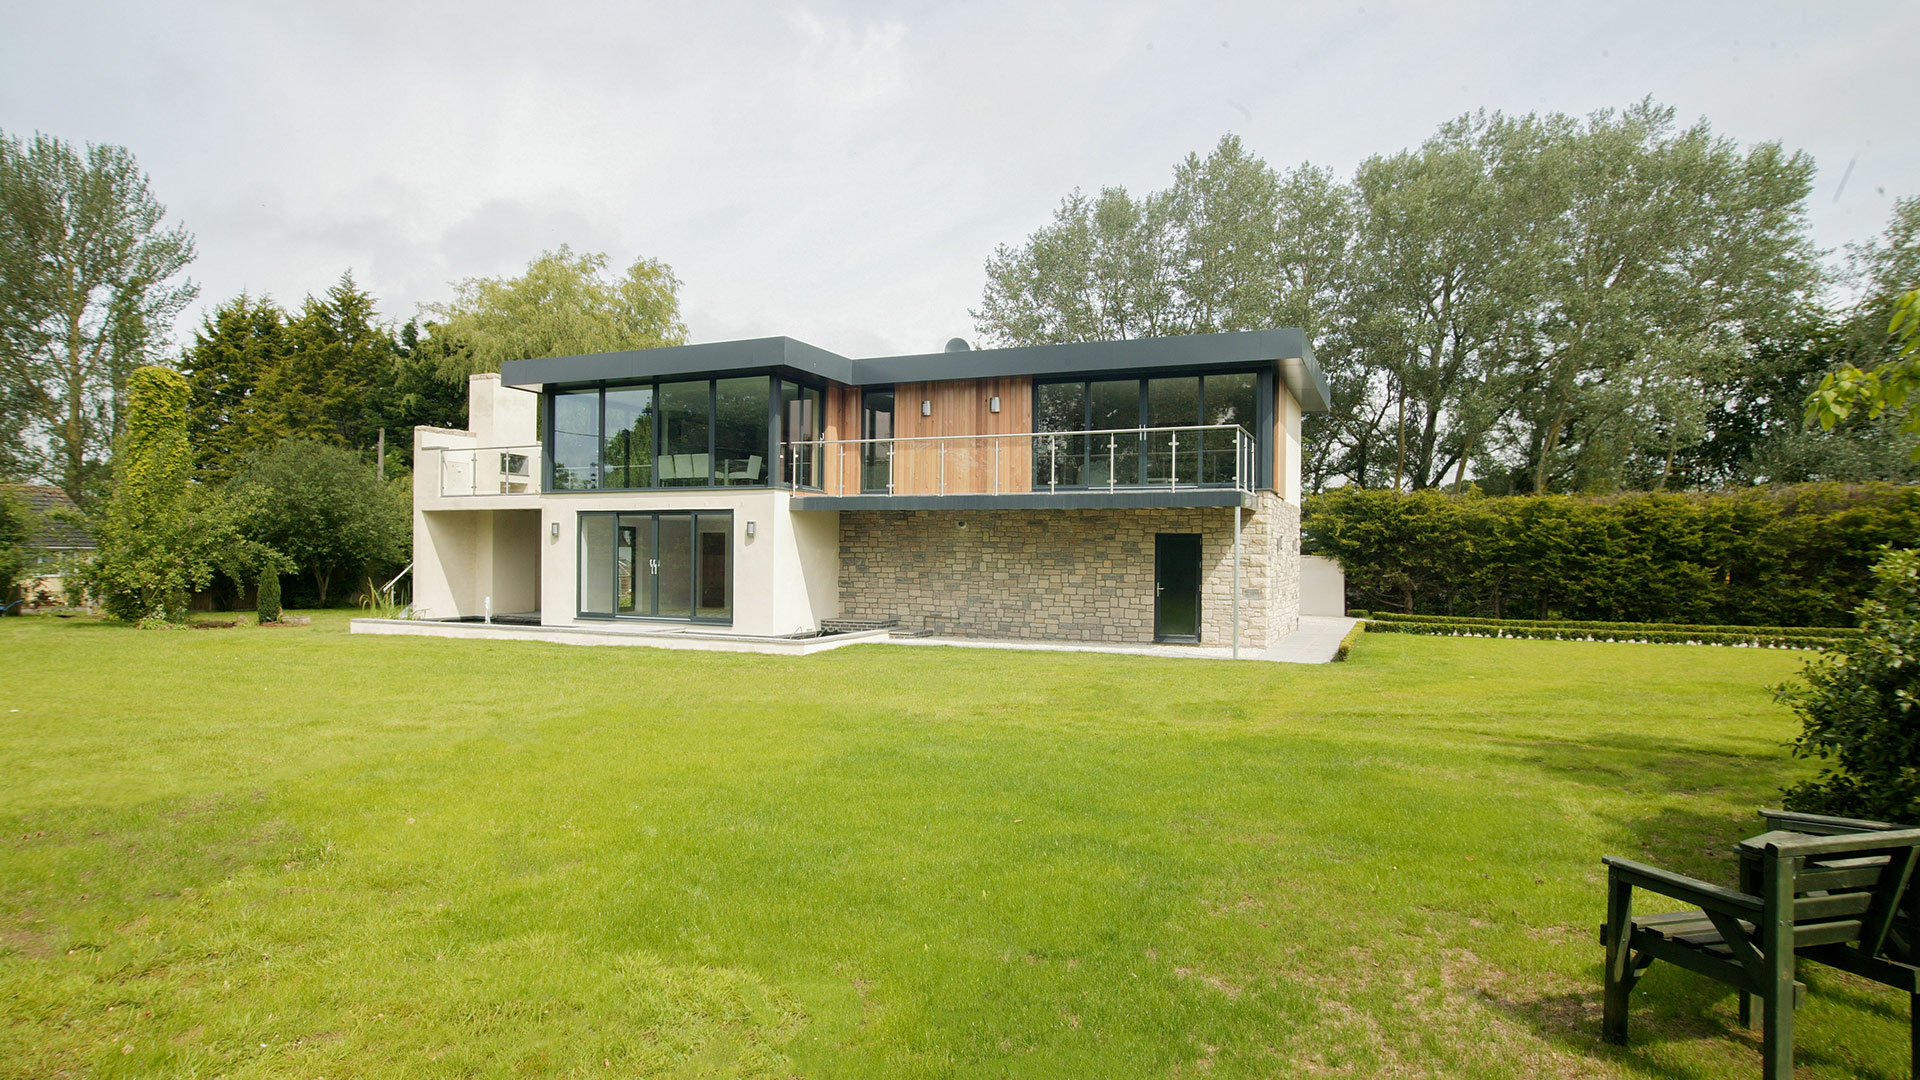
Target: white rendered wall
[(785, 579), (1323, 586)]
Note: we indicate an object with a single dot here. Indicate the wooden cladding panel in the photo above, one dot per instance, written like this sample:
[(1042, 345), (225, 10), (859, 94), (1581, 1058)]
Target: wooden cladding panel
[(842, 421), (963, 407)]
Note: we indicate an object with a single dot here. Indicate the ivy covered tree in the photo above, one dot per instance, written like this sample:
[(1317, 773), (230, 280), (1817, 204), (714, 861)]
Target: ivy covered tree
[(1860, 708), (160, 535)]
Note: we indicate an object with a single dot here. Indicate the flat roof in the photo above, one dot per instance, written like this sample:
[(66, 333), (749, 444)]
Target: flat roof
[(1286, 350)]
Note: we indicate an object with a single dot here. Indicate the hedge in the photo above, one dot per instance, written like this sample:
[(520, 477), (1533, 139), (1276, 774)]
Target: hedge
[(1768, 557), (1349, 641), (1824, 632), (1651, 637)]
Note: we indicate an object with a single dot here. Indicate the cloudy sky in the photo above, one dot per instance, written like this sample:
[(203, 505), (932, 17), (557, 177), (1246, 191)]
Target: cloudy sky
[(840, 172)]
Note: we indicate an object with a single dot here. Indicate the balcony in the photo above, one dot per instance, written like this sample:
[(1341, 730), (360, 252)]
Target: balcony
[(1164, 466), (489, 470)]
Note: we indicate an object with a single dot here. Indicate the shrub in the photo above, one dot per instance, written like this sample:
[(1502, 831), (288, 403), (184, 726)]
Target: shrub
[(1860, 707), (1348, 642), (267, 599)]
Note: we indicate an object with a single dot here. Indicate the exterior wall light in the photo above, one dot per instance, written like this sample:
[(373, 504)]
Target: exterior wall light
[(554, 530), (993, 403), (926, 408), (750, 530)]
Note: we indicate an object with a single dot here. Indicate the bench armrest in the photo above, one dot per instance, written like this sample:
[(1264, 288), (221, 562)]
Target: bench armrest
[(1699, 893)]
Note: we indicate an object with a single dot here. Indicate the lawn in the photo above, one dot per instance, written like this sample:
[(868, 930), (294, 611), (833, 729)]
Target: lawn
[(294, 852)]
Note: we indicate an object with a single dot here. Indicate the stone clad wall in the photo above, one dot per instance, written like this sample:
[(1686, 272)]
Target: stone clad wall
[(1065, 575)]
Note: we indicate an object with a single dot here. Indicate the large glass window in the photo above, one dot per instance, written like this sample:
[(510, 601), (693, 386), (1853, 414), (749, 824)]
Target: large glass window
[(1152, 457), (668, 565), (576, 440), (713, 591), (684, 411), (597, 565), (628, 450), (740, 431), (876, 422), (1229, 399), (1114, 403), (1060, 460), (801, 417), (1173, 403)]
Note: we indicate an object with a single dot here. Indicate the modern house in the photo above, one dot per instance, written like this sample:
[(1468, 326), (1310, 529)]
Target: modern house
[(1098, 492)]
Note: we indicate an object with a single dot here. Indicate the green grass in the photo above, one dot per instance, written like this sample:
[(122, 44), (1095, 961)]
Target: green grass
[(292, 852)]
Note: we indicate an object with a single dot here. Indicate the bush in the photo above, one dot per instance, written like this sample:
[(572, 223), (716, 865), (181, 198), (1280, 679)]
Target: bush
[(267, 599), (1824, 633), (1347, 643), (1761, 638), (1785, 556), (1860, 708)]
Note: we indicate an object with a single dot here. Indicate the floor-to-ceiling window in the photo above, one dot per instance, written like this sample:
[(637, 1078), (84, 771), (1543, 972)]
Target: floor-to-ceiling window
[(740, 432), (691, 433), (876, 423), (801, 417), (667, 565), (576, 440), (1121, 407), (627, 449)]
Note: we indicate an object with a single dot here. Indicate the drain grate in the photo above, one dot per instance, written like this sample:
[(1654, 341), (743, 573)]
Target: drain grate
[(855, 626)]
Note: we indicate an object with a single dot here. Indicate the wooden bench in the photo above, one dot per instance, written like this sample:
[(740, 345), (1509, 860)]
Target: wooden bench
[(1834, 890)]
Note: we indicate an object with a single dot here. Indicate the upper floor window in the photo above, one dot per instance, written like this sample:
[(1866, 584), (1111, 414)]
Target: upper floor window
[(685, 433), (1153, 430)]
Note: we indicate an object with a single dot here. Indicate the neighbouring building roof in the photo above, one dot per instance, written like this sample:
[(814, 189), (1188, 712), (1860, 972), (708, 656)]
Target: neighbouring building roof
[(55, 517), (1287, 350)]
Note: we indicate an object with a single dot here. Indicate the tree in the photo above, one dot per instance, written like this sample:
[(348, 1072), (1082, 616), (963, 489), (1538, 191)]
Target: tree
[(234, 354), (1892, 379), (160, 536), (336, 360), (324, 509), (88, 292), (16, 532), (564, 304), (1859, 707)]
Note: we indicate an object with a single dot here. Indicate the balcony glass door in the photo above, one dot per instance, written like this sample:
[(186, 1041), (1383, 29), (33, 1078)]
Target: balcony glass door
[(659, 566)]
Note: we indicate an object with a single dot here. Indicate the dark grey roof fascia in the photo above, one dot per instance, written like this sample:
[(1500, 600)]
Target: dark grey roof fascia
[(1287, 350), (711, 358), (1030, 500)]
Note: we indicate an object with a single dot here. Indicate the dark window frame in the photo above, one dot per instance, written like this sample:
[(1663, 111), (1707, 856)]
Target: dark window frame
[(693, 517), (545, 421), (1265, 388)]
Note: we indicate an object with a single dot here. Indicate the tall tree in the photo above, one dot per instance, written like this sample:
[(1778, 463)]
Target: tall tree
[(1671, 254), (89, 286), (234, 353), (564, 304)]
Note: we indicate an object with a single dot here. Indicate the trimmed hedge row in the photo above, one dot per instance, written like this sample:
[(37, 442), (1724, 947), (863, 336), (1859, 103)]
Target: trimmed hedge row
[(1823, 632), (1347, 643), (1788, 556), (1645, 637)]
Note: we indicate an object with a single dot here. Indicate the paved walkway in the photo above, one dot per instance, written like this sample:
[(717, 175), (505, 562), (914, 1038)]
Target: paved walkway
[(1314, 643)]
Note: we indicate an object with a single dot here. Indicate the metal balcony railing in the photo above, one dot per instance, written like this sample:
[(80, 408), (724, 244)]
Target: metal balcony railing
[(1117, 459), (490, 470)]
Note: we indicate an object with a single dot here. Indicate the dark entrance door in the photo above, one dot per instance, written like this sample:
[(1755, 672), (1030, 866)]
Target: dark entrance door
[(1176, 587)]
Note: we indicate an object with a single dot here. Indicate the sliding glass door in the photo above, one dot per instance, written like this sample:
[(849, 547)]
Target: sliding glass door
[(657, 566)]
